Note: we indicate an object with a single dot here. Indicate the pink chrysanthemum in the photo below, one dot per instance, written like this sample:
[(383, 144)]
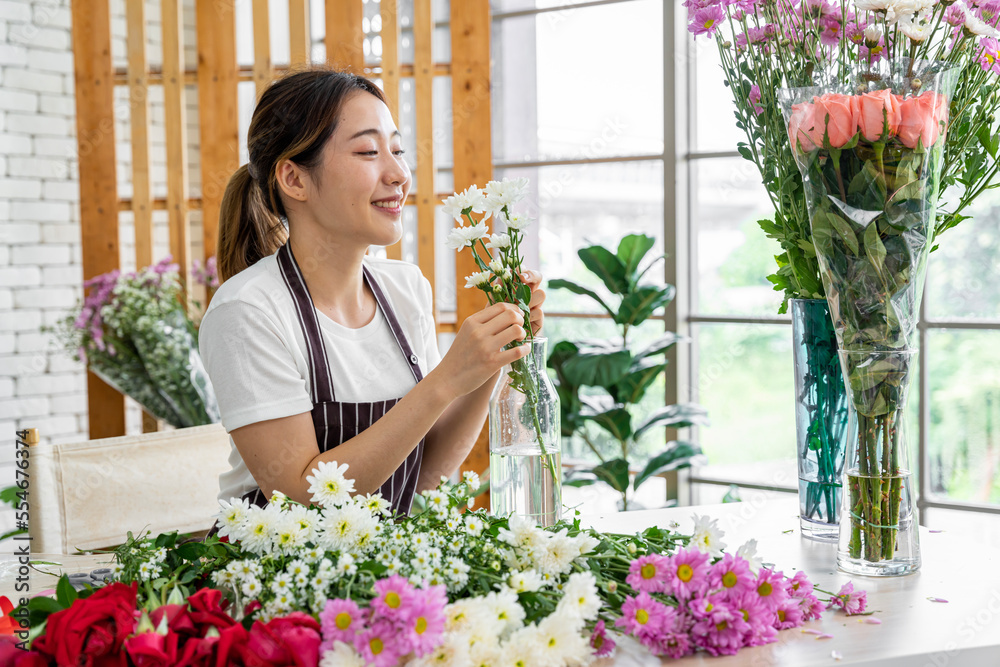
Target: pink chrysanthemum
[(759, 619), (799, 585), (789, 614), (706, 21), (754, 99), (379, 644), (426, 619), (771, 588), (393, 598), (601, 641), (648, 574), (721, 632), (731, 575), (701, 606), (850, 600), (812, 607), (642, 616), (340, 620), (688, 573)]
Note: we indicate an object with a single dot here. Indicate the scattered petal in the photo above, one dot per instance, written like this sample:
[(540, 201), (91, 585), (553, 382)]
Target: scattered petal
[(936, 599), (824, 636), (935, 531), (870, 620), (836, 655), (811, 631)]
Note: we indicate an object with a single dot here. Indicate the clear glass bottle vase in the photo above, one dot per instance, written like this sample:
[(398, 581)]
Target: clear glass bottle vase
[(878, 525), (525, 449)]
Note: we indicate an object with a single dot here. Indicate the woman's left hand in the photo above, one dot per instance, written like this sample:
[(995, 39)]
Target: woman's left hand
[(533, 279)]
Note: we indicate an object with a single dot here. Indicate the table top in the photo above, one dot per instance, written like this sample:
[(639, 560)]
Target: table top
[(914, 631)]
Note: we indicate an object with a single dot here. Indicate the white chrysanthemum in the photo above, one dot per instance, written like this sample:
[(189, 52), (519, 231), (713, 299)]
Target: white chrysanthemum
[(471, 478), (707, 536), (503, 193), (522, 648), (320, 582), (296, 567), (497, 266), (452, 652), (259, 533), (977, 26), (251, 588), (473, 525), (436, 499), (341, 655), (748, 552), (328, 484), (232, 517), (376, 504), (467, 616), (223, 578), (244, 569), (460, 237), (917, 27), (580, 598), (507, 611), (522, 533), (289, 535), (311, 555), (306, 518), (528, 581), (394, 567), (343, 526), (472, 199), (346, 565), (477, 279), (562, 641), (496, 242), (281, 582), (518, 222), (586, 543), (484, 649)]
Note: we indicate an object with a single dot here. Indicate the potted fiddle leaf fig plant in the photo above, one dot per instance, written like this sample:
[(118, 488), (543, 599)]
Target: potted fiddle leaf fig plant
[(622, 371)]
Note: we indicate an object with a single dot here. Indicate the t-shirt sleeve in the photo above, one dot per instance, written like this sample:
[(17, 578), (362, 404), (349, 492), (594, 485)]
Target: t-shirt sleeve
[(428, 327), (251, 366)]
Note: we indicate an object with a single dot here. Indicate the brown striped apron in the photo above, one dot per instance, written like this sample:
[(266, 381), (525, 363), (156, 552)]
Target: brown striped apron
[(335, 421)]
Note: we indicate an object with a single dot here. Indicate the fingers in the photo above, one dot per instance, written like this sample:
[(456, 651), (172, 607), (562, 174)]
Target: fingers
[(531, 278)]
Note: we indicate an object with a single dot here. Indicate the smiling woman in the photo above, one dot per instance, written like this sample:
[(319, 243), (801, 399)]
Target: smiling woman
[(311, 343)]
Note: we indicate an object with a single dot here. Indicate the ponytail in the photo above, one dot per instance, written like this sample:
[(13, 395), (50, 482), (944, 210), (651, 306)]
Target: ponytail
[(295, 117), (248, 229)]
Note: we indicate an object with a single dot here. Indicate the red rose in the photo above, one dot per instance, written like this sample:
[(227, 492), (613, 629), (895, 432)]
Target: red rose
[(290, 640), (12, 656), (151, 649), (91, 632), (208, 611), (178, 619)]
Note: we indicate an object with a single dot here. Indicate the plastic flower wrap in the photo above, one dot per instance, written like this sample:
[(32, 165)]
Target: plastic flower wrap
[(133, 333)]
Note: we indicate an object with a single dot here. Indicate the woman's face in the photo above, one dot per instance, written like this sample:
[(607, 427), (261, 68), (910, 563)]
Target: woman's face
[(360, 188)]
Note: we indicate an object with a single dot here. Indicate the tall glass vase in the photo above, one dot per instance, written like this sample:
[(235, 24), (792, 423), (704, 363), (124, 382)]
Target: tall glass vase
[(870, 150), (525, 454), (879, 531), (821, 419)]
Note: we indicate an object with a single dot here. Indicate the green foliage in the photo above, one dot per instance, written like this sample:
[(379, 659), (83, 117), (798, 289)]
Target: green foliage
[(623, 372)]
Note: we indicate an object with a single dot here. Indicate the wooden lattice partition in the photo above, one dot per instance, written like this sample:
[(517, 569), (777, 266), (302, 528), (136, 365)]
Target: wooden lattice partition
[(216, 77)]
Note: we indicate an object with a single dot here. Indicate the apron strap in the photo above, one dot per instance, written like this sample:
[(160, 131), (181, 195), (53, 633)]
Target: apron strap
[(319, 369), (397, 331)]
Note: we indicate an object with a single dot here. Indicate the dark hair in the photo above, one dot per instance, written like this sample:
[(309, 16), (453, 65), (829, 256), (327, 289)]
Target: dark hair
[(293, 120)]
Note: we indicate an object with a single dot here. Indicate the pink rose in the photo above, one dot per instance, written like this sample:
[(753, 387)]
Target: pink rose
[(923, 119), (837, 112), (802, 130), (878, 115)]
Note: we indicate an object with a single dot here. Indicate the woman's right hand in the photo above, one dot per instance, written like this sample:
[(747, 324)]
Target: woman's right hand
[(477, 352)]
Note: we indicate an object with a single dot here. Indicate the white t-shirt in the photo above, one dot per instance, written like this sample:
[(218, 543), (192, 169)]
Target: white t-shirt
[(255, 352)]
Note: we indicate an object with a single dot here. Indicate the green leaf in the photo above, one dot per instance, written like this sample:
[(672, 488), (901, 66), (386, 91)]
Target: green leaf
[(65, 593), (874, 247), (676, 455), (559, 283), (745, 152), (611, 416), (639, 305), (614, 473), (631, 250), (606, 266), (989, 141), (674, 416), (597, 364), (8, 496), (660, 345), (732, 495), (633, 386), (39, 609)]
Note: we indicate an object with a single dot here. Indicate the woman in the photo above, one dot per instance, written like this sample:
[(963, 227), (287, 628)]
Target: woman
[(318, 352)]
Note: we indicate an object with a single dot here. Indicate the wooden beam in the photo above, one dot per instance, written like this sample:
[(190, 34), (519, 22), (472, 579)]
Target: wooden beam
[(95, 136), (175, 114), (299, 35), (138, 94), (423, 33), (344, 35), (245, 73), (218, 75), (261, 45), (389, 12), (470, 99)]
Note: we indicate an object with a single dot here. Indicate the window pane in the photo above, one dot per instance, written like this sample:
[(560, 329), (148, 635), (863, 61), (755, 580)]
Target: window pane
[(581, 205), (579, 83), (745, 381), (964, 444), (734, 257), (713, 123), (964, 275)]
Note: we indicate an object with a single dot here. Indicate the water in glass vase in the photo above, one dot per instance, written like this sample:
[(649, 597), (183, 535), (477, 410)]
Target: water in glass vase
[(885, 544), (522, 483)]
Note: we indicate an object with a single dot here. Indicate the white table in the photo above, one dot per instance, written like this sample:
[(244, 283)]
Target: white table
[(915, 632)]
